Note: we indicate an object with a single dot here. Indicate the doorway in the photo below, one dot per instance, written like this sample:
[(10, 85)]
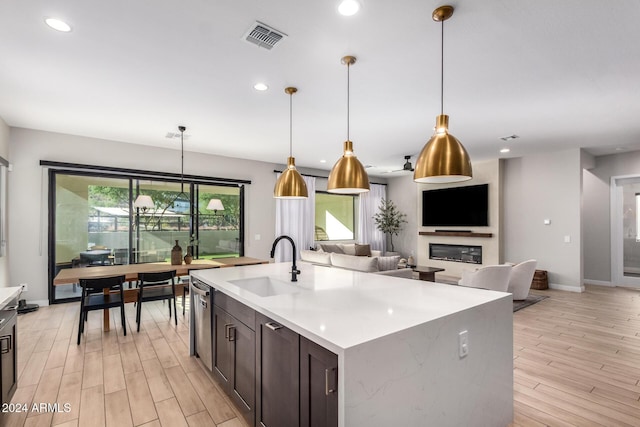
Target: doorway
[(625, 231)]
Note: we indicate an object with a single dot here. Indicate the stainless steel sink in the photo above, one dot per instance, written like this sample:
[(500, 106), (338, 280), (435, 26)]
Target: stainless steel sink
[(265, 286)]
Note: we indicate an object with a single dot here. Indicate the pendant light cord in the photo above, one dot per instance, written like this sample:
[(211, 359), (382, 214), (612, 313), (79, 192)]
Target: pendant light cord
[(348, 91), (442, 69), (182, 160), (291, 125)]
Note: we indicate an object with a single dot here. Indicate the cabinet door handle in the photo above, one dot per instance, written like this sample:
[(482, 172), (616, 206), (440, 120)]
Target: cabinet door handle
[(7, 349), (273, 326), (226, 329), (328, 390), (232, 333)]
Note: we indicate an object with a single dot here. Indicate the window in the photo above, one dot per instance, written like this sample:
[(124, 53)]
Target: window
[(335, 216), (94, 222)]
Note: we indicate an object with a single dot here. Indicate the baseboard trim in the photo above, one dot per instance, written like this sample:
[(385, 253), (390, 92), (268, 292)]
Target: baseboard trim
[(568, 288), (599, 283)]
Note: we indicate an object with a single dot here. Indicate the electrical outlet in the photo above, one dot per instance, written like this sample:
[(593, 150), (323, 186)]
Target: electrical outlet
[(463, 344), (25, 287)]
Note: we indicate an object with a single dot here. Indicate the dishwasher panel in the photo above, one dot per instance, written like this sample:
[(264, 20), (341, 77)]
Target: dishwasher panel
[(202, 309)]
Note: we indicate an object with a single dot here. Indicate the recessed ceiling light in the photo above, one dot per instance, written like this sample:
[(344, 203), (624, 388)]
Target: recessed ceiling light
[(260, 86), (323, 161), (505, 150), (58, 25), (348, 7)]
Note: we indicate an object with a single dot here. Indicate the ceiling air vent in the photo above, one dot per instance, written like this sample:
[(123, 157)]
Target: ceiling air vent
[(264, 36)]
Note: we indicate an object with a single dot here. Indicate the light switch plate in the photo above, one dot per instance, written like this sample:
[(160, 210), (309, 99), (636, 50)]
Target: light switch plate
[(463, 344)]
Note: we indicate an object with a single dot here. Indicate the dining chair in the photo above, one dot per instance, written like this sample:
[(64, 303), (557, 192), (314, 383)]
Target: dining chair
[(156, 287), (101, 294)]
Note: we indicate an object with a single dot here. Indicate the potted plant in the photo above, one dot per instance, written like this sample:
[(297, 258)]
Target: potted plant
[(389, 220)]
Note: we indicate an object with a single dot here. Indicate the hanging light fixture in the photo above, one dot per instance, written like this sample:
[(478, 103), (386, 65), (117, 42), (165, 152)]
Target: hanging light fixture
[(215, 205), (348, 175), (143, 202), (443, 158), (290, 185)]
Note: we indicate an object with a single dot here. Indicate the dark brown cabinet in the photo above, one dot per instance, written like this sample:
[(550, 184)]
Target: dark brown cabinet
[(8, 355), (318, 385), (275, 377), (277, 374), (234, 353)]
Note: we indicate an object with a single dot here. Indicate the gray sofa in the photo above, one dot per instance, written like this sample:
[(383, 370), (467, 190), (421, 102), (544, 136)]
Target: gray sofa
[(369, 264)]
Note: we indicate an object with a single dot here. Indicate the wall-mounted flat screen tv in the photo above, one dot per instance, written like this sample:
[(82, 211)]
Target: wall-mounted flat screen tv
[(456, 206)]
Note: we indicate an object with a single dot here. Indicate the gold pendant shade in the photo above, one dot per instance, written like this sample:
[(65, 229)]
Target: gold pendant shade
[(348, 176), (443, 158), (290, 184)]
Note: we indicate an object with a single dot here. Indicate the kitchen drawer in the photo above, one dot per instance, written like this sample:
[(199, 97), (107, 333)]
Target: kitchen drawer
[(238, 310)]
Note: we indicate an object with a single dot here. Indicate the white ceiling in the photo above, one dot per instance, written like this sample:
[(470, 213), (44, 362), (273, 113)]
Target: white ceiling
[(559, 74)]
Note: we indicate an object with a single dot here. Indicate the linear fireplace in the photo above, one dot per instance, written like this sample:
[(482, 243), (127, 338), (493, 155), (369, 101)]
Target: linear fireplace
[(456, 253)]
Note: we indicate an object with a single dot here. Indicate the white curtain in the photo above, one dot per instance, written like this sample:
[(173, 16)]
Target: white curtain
[(367, 231), (296, 219)]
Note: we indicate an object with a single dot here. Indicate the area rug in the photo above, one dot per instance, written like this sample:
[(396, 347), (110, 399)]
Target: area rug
[(531, 299)]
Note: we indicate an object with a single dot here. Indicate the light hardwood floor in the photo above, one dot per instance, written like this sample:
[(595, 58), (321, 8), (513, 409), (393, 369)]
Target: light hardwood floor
[(143, 379), (576, 363)]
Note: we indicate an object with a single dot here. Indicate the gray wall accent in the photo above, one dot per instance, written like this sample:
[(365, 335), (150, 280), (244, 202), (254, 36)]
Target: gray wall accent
[(597, 217), (545, 186), (28, 192), (402, 191)]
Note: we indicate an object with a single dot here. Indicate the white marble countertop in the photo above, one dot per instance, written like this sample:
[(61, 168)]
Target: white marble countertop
[(338, 308), (7, 294)]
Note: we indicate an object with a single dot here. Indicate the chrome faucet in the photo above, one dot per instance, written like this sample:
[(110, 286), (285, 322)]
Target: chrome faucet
[(294, 269)]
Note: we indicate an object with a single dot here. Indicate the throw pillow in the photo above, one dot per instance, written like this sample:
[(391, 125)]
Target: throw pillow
[(315, 257), (366, 264), (327, 247), (363, 250), (348, 248), (388, 262)]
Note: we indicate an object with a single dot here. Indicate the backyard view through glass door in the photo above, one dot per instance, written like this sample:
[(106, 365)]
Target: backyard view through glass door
[(92, 223), (96, 224)]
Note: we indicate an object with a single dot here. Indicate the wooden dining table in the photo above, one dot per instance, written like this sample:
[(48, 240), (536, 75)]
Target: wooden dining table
[(130, 272)]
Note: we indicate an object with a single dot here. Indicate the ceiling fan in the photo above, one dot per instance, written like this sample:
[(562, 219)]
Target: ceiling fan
[(407, 167)]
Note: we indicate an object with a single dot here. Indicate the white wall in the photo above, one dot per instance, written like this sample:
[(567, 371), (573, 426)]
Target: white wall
[(408, 195), (545, 186), (4, 153), (596, 213), (28, 230)]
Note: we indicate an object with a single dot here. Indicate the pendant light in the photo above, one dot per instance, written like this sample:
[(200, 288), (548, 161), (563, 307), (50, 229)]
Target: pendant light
[(290, 185), (348, 175), (443, 159)]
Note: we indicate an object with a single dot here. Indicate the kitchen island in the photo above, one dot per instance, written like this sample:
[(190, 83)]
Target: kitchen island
[(409, 352)]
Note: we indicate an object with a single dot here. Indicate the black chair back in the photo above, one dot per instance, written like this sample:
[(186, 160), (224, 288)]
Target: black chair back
[(158, 278), (98, 285)]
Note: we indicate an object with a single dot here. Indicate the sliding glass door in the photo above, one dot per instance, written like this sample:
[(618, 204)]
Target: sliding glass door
[(157, 229), (91, 224), (94, 221), (218, 218)]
